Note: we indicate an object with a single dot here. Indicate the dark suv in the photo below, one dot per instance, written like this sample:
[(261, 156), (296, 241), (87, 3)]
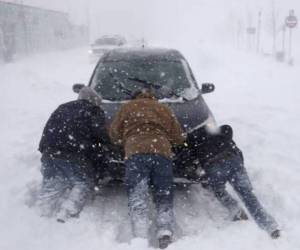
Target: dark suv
[(121, 72)]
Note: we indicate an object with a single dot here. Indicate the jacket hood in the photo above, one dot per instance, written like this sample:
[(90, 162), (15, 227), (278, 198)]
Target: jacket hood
[(86, 93), (145, 95)]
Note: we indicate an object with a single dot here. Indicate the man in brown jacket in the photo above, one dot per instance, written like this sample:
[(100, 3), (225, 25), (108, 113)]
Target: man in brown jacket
[(147, 130)]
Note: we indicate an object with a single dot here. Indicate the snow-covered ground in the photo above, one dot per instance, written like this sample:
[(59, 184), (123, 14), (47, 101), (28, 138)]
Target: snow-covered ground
[(257, 96)]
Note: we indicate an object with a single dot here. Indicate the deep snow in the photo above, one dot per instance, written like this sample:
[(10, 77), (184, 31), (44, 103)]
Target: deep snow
[(256, 95)]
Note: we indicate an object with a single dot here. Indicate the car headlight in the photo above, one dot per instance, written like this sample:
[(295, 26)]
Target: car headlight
[(211, 125), (90, 52)]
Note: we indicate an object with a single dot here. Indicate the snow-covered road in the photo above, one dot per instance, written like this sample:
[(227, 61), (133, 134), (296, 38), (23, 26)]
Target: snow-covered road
[(258, 97)]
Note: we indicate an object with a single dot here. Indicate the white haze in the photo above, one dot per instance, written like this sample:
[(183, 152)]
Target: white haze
[(170, 20)]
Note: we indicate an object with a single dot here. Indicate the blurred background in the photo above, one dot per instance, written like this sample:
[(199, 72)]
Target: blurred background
[(34, 25)]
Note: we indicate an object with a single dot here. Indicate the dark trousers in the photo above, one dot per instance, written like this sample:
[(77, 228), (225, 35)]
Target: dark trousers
[(142, 172), (65, 189), (232, 170)]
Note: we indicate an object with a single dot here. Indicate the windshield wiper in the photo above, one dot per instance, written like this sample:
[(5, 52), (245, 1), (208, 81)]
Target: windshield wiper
[(157, 87), (121, 85), (145, 82)]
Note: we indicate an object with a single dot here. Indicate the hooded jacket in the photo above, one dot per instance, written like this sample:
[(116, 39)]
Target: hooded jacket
[(144, 126), (210, 147), (75, 130)]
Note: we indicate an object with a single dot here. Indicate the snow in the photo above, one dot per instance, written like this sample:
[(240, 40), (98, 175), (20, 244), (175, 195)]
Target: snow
[(257, 96)]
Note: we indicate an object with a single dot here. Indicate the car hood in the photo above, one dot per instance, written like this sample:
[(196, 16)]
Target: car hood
[(191, 114)]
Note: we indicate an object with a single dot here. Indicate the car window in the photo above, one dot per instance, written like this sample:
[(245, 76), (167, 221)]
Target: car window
[(108, 41), (113, 80)]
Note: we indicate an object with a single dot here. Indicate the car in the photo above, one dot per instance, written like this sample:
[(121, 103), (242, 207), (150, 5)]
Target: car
[(121, 72), (104, 44)]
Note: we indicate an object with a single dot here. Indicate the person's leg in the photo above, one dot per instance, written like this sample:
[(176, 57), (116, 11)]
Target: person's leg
[(137, 181), (216, 178), (235, 210), (53, 187), (242, 185), (162, 181), (82, 184)]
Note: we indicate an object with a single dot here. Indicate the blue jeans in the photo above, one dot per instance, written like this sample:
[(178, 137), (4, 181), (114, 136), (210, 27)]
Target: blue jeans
[(143, 171), (65, 189), (232, 170)]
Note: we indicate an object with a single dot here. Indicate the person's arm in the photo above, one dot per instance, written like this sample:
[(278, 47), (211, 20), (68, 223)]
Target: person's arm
[(100, 138), (117, 127), (177, 136), (99, 131)]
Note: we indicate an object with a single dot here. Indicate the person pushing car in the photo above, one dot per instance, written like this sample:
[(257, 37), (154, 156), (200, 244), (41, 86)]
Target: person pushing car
[(223, 162), (147, 130), (72, 147)]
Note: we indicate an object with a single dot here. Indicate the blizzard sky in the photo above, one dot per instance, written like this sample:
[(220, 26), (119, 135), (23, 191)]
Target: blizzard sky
[(178, 21), (166, 18)]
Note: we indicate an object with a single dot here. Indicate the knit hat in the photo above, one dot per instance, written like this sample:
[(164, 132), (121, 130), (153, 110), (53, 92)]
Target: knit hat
[(144, 93), (86, 93)]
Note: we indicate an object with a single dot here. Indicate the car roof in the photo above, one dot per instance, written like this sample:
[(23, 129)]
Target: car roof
[(140, 54), (111, 36)]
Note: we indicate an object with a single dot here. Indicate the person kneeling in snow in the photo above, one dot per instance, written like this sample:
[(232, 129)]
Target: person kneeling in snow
[(147, 129), (71, 145), (222, 162)]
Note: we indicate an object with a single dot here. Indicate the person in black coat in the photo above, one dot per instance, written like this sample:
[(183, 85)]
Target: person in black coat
[(222, 162), (72, 146)]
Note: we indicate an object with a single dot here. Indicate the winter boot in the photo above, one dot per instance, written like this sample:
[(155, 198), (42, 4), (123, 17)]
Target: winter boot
[(275, 234), (164, 241), (240, 215)]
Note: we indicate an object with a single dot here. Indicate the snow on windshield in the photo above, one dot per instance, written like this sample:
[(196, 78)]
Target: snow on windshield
[(169, 79)]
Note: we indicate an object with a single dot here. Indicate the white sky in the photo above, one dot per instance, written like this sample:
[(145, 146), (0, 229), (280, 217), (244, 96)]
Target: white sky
[(167, 19)]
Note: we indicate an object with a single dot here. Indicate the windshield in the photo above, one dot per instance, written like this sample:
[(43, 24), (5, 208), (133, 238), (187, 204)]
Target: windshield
[(115, 80)]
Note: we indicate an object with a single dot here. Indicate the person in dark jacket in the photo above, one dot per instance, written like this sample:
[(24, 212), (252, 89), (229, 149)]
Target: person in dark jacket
[(147, 130), (222, 162), (71, 145)]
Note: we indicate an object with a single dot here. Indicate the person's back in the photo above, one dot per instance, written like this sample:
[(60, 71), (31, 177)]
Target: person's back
[(145, 126), (70, 132), (212, 145)]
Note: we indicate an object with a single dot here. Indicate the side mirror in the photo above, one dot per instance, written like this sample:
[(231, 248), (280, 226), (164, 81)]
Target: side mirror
[(77, 87), (207, 88)]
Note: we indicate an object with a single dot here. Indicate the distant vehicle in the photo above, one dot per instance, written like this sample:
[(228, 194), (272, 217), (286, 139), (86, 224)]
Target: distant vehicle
[(121, 72), (104, 44)]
